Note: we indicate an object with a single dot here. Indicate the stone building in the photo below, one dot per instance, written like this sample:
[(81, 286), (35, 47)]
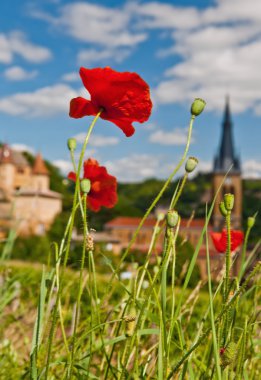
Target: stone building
[(122, 228), (26, 201)]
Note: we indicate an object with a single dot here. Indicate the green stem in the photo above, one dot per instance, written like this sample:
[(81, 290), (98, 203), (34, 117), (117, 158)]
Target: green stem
[(212, 316), (173, 299), (177, 196), (228, 256), (77, 190), (168, 248), (85, 232)]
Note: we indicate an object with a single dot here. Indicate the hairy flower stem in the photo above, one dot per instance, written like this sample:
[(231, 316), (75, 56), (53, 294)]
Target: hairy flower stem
[(228, 257), (223, 312), (85, 232), (172, 319), (68, 245), (153, 204), (225, 329), (168, 244), (177, 196)]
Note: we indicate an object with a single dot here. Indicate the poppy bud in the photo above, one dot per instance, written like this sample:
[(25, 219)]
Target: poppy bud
[(191, 164), (251, 221), (85, 185), (229, 201), (71, 143), (222, 208), (172, 218), (197, 106), (229, 354)]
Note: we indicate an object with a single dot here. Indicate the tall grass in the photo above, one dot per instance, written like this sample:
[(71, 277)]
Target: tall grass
[(103, 327)]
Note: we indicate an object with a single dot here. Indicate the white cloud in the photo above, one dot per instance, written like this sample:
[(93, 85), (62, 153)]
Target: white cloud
[(16, 43), (252, 169), (107, 31), (219, 49), (156, 15), (96, 24), (91, 56), (71, 77), (64, 166), (150, 126), (45, 101), (177, 136), (17, 73), (137, 167), (98, 140), (23, 148)]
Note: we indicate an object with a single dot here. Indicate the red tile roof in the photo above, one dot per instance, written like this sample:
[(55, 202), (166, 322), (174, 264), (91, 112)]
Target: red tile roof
[(125, 221), (39, 165), (133, 222)]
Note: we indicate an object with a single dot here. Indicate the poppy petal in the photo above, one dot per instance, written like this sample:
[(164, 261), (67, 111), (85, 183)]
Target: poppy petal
[(103, 190), (80, 107), (220, 240), (237, 238), (72, 176), (123, 96), (93, 204), (218, 243), (126, 127)]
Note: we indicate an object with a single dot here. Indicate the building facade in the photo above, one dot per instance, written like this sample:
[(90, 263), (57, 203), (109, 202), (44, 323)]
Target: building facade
[(26, 201)]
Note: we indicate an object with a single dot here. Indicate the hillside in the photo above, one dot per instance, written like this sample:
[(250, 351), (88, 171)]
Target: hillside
[(135, 198)]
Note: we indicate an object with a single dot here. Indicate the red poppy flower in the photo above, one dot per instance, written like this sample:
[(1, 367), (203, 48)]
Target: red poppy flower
[(124, 98), (103, 185), (220, 240)]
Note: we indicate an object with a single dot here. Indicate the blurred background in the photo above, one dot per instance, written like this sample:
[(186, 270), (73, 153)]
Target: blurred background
[(183, 49)]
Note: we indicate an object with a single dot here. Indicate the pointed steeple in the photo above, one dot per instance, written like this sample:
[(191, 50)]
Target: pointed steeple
[(39, 166), (226, 153)]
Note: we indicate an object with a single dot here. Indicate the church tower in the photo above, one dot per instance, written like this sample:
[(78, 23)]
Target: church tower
[(223, 161)]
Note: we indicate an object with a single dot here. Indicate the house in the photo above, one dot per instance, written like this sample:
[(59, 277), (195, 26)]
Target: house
[(26, 201)]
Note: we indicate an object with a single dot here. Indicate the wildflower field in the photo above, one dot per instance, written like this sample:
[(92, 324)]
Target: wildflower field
[(58, 322)]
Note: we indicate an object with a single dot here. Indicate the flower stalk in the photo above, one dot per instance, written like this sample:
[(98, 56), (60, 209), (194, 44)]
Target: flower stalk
[(68, 245)]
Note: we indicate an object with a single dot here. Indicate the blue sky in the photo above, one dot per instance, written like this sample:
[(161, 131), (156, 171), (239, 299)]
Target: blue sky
[(183, 49)]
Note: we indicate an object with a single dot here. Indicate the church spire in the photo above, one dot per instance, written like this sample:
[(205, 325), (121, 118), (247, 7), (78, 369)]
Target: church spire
[(226, 154)]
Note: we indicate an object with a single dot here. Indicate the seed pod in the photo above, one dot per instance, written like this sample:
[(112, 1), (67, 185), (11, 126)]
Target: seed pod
[(229, 201), (71, 143), (222, 208), (85, 185), (251, 221), (172, 218), (197, 106), (191, 164)]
